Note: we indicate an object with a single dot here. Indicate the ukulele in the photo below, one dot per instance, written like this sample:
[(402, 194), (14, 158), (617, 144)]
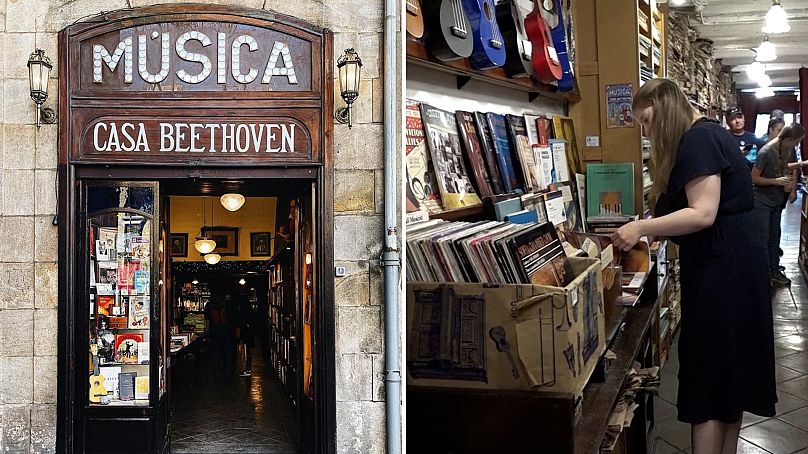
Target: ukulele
[(518, 48), (559, 34), (545, 58), (489, 46), (448, 31), (415, 21)]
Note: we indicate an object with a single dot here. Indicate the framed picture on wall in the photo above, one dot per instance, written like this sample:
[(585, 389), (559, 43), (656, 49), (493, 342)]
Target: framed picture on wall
[(179, 245), (226, 239), (260, 244)]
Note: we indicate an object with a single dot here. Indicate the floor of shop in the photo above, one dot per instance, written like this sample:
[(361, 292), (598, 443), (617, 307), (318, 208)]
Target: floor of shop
[(231, 414), (787, 432)]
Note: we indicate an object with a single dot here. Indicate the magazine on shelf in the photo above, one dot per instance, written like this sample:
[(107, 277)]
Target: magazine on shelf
[(422, 190), (524, 163), (126, 347), (558, 148), (473, 152), (541, 257), (610, 190), (499, 136), (489, 152)]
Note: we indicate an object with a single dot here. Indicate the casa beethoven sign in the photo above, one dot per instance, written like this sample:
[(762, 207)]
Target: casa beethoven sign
[(206, 86)]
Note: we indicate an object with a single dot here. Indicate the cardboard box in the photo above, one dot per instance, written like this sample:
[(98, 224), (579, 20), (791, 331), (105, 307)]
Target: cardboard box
[(507, 337)]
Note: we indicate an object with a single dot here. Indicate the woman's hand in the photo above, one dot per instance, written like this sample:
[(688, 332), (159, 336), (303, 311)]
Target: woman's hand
[(783, 181), (627, 236)]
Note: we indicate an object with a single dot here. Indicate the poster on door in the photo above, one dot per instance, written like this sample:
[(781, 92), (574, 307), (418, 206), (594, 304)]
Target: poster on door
[(618, 106)]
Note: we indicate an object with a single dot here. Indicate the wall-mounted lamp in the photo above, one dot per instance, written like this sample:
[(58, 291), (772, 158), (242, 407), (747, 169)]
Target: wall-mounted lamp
[(39, 66), (349, 66), (308, 258)]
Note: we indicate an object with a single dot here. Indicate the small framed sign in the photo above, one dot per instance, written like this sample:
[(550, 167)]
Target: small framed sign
[(260, 244), (179, 245)]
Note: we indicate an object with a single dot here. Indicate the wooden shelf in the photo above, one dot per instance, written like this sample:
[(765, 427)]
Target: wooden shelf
[(418, 54), (459, 214), (599, 398)]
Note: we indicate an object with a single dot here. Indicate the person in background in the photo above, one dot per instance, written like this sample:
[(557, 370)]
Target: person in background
[(221, 332), (775, 183), (245, 323), (746, 140), (704, 202), (775, 126)]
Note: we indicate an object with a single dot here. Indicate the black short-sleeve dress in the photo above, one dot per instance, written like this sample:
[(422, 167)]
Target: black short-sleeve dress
[(726, 346)]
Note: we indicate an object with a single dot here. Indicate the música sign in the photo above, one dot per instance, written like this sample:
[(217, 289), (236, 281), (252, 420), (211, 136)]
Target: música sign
[(209, 85)]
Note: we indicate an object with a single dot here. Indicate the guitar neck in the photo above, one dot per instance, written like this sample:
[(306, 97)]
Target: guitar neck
[(413, 8), (459, 27)]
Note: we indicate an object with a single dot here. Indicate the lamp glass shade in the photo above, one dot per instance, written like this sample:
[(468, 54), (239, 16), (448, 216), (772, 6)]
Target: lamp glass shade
[(764, 81), (776, 20), (232, 202), (212, 259), (242, 281), (756, 70), (39, 68), (766, 52), (350, 75), (204, 245), (764, 92)]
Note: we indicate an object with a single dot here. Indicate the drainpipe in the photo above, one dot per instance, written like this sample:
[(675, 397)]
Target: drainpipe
[(391, 259)]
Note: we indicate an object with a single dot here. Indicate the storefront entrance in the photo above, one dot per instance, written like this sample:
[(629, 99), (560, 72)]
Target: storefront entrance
[(218, 101)]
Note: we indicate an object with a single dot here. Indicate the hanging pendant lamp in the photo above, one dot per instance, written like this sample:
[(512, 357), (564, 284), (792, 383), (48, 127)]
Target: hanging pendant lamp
[(204, 244), (212, 259), (232, 201), (776, 20)]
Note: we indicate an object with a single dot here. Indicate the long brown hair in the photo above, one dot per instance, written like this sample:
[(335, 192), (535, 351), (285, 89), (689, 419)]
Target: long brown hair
[(789, 132), (673, 116)]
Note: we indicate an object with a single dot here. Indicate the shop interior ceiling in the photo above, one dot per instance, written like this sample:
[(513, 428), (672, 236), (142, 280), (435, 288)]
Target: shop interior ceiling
[(734, 27)]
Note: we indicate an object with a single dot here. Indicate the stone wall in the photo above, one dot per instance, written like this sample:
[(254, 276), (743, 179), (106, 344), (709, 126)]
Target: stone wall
[(28, 271)]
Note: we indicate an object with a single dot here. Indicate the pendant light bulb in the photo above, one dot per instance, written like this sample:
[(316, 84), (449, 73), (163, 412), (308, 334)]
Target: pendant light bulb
[(776, 20), (766, 51), (204, 245), (242, 281), (764, 92), (232, 202), (212, 259), (755, 71), (764, 81)]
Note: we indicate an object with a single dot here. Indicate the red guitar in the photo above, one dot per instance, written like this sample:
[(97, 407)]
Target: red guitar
[(545, 60)]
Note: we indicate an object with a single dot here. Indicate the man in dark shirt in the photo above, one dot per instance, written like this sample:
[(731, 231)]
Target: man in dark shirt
[(745, 139)]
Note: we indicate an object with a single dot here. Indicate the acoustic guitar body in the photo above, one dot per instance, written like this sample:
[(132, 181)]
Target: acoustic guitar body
[(489, 46), (415, 20), (448, 30), (545, 60), (511, 21)]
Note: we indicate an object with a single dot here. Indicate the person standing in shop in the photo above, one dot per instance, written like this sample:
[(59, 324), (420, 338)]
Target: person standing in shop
[(704, 202), (775, 126), (746, 141), (775, 183), (245, 322), (221, 332)]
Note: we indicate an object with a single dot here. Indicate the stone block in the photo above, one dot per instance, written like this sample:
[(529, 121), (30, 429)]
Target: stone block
[(45, 201), (68, 12), (353, 191), (369, 48), (47, 147), (43, 429), (49, 42), (376, 278), (16, 285), (21, 15), (19, 147), (361, 428), (347, 15), (359, 330), (46, 285), (377, 92), (256, 4), (345, 40), (357, 237), (352, 290), (45, 371), (18, 109), (17, 233), (378, 190), (311, 11), (46, 247), (46, 323), (16, 425), (16, 379), (362, 107), (17, 47), (378, 378), (16, 332), (17, 197), (358, 148), (354, 377)]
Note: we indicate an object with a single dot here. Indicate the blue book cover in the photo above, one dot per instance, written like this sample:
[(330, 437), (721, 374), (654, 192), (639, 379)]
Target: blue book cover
[(507, 207), (499, 134), (523, 217)]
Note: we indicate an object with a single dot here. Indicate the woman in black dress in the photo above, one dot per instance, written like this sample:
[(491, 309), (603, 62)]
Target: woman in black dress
[(704, 203)]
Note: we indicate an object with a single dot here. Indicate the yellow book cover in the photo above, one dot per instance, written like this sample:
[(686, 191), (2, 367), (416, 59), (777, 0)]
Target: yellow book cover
[(142, 387)]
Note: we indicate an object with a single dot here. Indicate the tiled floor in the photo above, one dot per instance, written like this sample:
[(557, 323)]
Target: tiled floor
[(231, 414), (787, 432)]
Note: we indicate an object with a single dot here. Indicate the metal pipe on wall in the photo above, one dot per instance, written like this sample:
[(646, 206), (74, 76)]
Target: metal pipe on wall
[(391, 259)]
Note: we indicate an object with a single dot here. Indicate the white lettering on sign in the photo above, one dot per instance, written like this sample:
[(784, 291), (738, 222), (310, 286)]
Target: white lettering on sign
[(197, 137), (124, 51)]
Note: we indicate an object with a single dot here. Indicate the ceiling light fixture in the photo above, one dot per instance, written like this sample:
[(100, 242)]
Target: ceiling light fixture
[(212, 259), (776, 20), (232, 201), (764, 92), (678, 2), (764, 81), (755, 71), (766, 51), (242, 281), (204, 244)]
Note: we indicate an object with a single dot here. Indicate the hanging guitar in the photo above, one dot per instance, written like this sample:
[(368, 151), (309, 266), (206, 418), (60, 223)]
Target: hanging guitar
[(415, 21), (448, 31), (559, 34), (518, 48), (489, 47), (545, 58)]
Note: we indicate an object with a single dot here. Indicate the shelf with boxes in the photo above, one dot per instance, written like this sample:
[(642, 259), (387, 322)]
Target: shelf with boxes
[(282, 318)]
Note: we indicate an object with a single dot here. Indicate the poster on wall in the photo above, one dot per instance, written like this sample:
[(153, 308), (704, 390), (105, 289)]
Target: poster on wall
[(618, 106)]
